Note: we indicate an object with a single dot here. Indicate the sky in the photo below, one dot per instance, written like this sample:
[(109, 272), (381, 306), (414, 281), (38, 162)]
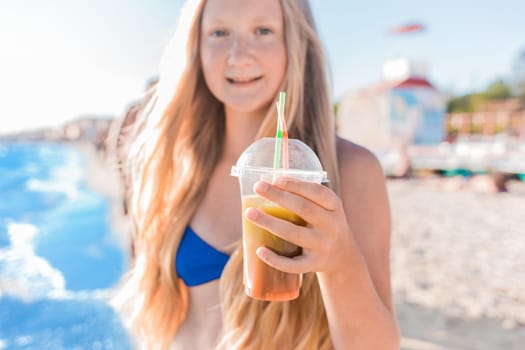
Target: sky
[(63, 59)]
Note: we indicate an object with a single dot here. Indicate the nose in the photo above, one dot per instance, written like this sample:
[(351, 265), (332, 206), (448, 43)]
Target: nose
[(240, 52)]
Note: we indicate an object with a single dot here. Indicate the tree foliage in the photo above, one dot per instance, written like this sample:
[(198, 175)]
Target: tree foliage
[(518, 76), (500, 89), (474, 102)]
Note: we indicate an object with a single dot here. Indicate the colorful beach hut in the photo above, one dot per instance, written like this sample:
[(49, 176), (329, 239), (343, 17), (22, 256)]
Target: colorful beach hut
[(392, 115)]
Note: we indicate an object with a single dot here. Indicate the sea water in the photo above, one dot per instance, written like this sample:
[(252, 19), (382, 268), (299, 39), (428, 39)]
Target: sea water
[(58, 255)]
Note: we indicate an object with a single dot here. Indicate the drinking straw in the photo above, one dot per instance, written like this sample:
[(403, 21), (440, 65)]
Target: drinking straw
[(285, 159), (280, 159)]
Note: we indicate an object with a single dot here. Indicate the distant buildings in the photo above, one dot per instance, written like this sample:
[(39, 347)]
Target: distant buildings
[(92, 129), (497, 117), (403, 121), (402, 110)]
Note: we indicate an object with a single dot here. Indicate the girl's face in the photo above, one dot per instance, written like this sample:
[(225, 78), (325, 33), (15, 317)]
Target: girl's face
[(243, 52)]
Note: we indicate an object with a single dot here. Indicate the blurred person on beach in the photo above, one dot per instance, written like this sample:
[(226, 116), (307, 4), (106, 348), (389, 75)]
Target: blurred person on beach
[(206, 109)]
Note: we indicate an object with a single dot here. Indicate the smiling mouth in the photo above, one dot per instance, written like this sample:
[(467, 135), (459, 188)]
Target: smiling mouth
[(242, 80)]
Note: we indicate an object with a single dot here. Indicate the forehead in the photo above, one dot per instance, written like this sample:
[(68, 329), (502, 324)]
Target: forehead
[(242, 10)]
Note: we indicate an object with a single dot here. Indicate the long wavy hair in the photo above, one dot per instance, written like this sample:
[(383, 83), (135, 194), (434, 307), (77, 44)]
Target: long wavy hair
[(178, 144)]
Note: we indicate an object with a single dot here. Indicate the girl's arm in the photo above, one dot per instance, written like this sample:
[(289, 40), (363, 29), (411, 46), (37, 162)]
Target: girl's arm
[(347, 242)]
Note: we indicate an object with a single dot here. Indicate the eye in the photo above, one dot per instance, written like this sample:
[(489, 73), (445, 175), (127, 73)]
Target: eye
[(263, 31), (219, 33)]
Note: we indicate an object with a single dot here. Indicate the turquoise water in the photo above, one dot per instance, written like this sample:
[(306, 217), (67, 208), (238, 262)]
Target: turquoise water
[(58, 255)]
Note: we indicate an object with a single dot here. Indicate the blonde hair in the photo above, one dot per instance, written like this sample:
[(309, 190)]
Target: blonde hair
[(180, 139)]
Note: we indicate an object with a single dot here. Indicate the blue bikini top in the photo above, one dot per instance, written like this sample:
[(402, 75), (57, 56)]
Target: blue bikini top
[(197, 262)]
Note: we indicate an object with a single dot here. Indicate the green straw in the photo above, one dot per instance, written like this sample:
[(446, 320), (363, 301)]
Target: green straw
[(280, 132)]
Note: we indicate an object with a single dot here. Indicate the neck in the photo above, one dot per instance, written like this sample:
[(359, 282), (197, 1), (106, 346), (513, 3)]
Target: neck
[(241, 129)]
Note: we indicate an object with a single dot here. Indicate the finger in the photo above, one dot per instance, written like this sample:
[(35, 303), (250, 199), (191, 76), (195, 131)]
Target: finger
[(298, 235), (297, 264), (305, 208), (313, 191)]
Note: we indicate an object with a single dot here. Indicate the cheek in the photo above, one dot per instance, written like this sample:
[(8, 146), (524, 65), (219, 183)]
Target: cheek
[(206, 61), (213, 55), (277, 63), (283, 63), (210, 67)]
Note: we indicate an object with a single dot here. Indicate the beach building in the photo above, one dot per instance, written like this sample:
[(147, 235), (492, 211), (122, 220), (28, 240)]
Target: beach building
[(93, 129), (404, 109), (495, 117)]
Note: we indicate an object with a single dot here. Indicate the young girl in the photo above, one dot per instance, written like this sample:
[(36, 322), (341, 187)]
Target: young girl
[(185, 288)]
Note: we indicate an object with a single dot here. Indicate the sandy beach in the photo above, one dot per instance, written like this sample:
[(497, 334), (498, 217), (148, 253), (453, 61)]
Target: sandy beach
[(458, 269)]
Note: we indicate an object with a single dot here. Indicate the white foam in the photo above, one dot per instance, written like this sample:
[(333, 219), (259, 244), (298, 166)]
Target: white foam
[(69, 189), (64, 178), (21, 235), (22, 273), (29, 277), (31, 168), (24, 340), (71, 172)]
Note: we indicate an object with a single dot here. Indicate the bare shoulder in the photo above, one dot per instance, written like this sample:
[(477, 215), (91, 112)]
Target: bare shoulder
[(357, 164), (363, 191), (365, 199)]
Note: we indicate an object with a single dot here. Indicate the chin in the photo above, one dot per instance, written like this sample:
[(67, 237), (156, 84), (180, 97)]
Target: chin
[(247, 106)]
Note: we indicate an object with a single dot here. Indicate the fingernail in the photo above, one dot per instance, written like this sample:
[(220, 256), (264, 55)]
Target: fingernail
[(251, 213), (260, 252), (262, 186), (281, 182)]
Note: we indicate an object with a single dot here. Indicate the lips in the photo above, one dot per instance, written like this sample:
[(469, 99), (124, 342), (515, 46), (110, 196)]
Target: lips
[(242, 80)]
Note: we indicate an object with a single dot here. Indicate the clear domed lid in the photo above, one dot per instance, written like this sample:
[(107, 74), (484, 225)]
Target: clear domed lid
[(258, 159)]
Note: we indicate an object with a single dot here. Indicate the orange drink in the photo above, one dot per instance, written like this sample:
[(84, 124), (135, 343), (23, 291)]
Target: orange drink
[(262, 281), (257, 163)]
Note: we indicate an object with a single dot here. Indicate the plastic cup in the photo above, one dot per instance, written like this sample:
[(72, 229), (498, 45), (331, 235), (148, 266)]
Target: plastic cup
[(262, 281)]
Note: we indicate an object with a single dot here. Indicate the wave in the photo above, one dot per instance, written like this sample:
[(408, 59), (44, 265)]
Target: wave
[(29, 277), (63, 178)]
